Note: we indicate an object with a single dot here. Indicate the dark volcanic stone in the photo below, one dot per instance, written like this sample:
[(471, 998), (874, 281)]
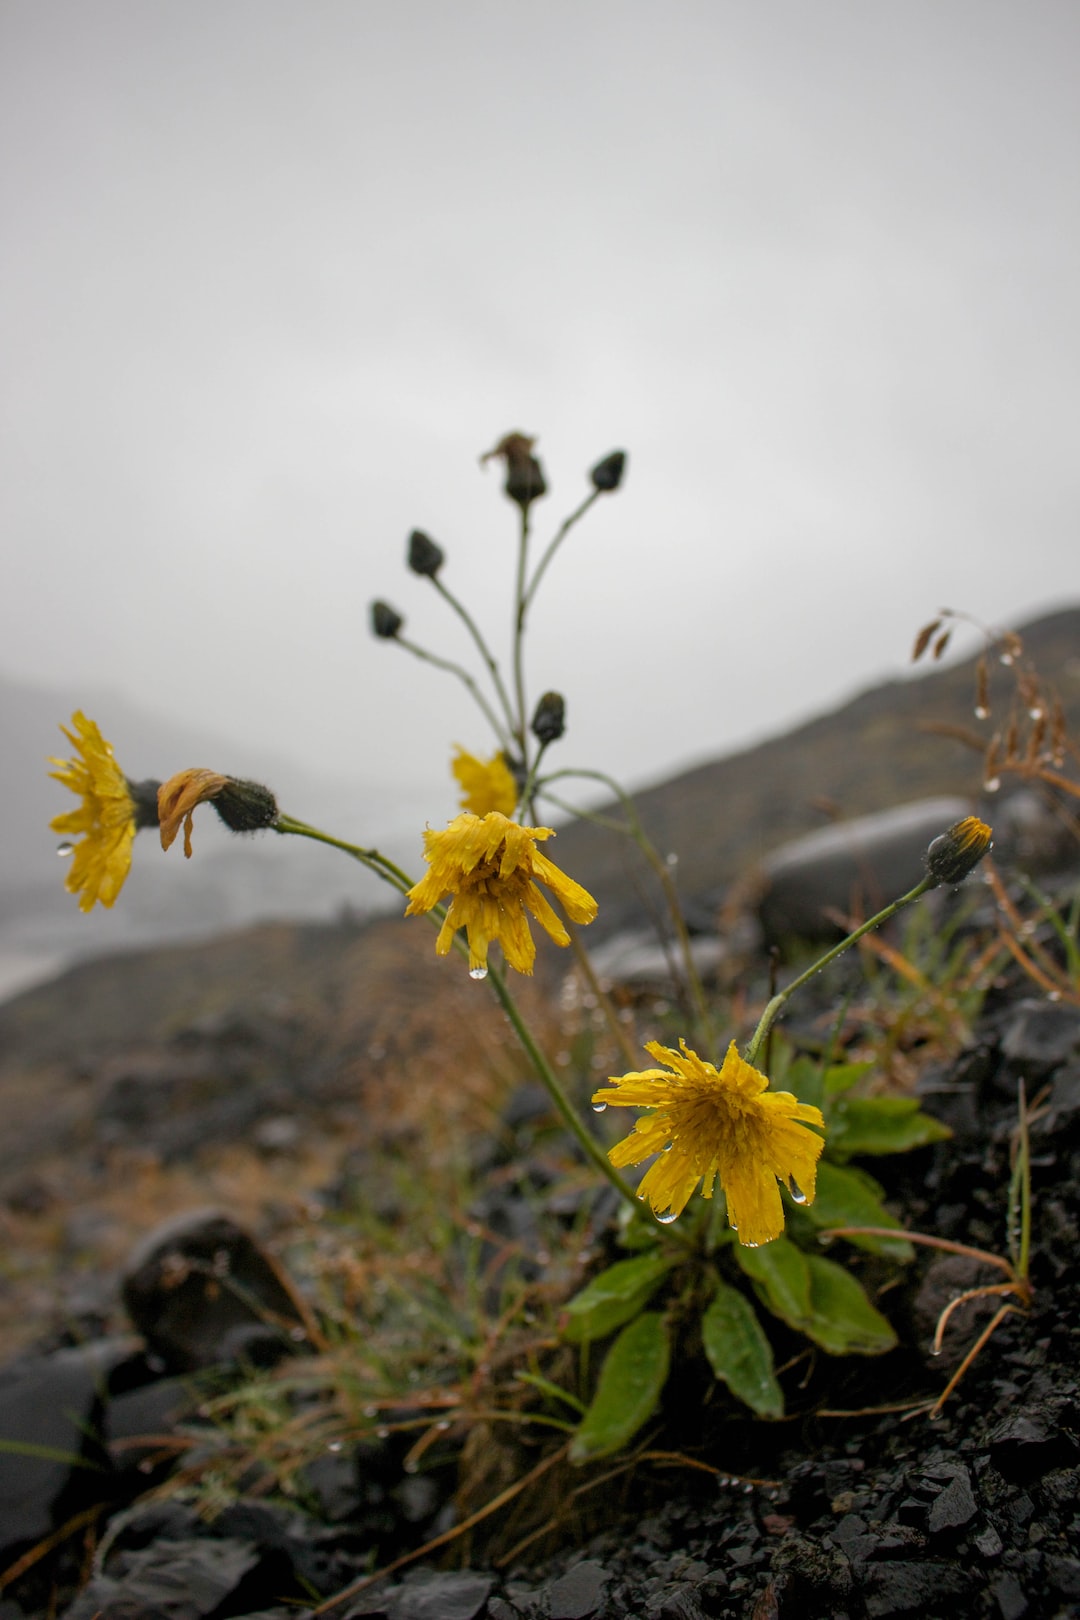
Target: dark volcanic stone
[(903, 1587), (202, 1292), (579, 1592)]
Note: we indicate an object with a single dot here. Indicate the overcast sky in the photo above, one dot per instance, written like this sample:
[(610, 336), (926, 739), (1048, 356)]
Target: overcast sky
[(275, 272)]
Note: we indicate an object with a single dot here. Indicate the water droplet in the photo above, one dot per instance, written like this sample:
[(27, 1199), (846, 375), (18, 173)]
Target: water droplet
[(667, 1217), (796, 1191), (1007, 659), (371, 1411), (478, 973), (991, 784), (411, 1466), (748, 1245), (981, 712), (297, 1335), (65, 849), (599, 1107), (935, 1349), (382, 1432), (671, 860), (748, 1490), (443, 1424), (1053, 995), (1035, 712), (334, 1445)]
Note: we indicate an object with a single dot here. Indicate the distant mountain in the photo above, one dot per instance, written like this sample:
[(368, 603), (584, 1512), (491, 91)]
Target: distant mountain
[(874, 752)]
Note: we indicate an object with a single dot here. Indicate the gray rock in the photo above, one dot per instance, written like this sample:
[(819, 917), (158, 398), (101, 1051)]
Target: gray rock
[(854, 865)]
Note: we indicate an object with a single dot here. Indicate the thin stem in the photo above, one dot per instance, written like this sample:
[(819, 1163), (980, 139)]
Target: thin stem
[(548, 1078), (463, 675), (519, 631), (635, 830), (481, 645), (776, 1003), (553, 547), (371, 858)]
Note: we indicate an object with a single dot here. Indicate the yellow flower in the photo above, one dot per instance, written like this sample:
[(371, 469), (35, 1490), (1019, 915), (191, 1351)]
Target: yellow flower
[(708, 1125), (178, 797), (485, 784), (490, 865), (108, 817)]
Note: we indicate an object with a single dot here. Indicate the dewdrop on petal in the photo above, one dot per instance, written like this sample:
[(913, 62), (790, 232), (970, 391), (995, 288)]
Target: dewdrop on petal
[(959, 850)]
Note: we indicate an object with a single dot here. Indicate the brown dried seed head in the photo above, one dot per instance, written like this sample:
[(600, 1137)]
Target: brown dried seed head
[(922, 640)]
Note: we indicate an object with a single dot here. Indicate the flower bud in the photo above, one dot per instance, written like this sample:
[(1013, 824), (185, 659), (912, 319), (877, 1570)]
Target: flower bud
[(549, 721), (524, 475), (959, 850), (607, 475), (425, 557), (242, 806), (384, 621)]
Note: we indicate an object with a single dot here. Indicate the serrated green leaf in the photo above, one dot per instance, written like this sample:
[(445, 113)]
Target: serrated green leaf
[(849, 1197), (614, 1296), (780, 1276), (843, 1321), (631, 1382), (880, 1125), (739, 1353)]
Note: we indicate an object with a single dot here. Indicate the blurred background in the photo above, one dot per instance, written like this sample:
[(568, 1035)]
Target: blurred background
[(274, 275)]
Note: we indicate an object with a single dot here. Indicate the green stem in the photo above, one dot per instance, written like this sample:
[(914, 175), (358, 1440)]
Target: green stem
[(776, 1004), (635, 830), (549, 1080), (519, 632), (463, 675), (370, 858), (482, 647), (553, 547)]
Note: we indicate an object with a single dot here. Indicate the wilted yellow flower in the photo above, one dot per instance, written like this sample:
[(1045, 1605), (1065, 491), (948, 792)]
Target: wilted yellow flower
[(243, 806), (707, 1125), (485, 784), (178, 797), (107, 819), (490, 866)]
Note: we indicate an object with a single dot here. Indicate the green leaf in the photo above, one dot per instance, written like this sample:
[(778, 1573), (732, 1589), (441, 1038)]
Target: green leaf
[(850, 1197), (843, 1320), (614, 1296), (739, 1353), (879, 1125), (817, 1297), (842, 1076), (803, 1077), (628, 1393), (781, 1278)]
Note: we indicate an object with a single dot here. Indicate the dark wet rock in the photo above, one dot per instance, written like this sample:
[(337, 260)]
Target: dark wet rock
[(1039, 1035), (904, 1587), (426, 1595), (1009, 1596), (203, 1293), (169, 1580), (1027, 1445), (53, 1403), (578, 1593), (853, 865)]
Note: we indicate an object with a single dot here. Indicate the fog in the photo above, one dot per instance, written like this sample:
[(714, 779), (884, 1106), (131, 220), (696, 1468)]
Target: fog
[(274, 275)]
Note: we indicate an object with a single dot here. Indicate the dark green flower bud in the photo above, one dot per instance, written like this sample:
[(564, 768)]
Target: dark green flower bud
[(144, 796), (245, 806), (384, 621), (549, 721), (959, 850), (425, 557), (607, 475), (524, 474)]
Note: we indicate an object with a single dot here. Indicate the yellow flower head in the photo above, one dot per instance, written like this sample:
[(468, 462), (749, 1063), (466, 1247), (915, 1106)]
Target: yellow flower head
[(485, 784), (707, 1125), (107, 818), (490, 866)]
